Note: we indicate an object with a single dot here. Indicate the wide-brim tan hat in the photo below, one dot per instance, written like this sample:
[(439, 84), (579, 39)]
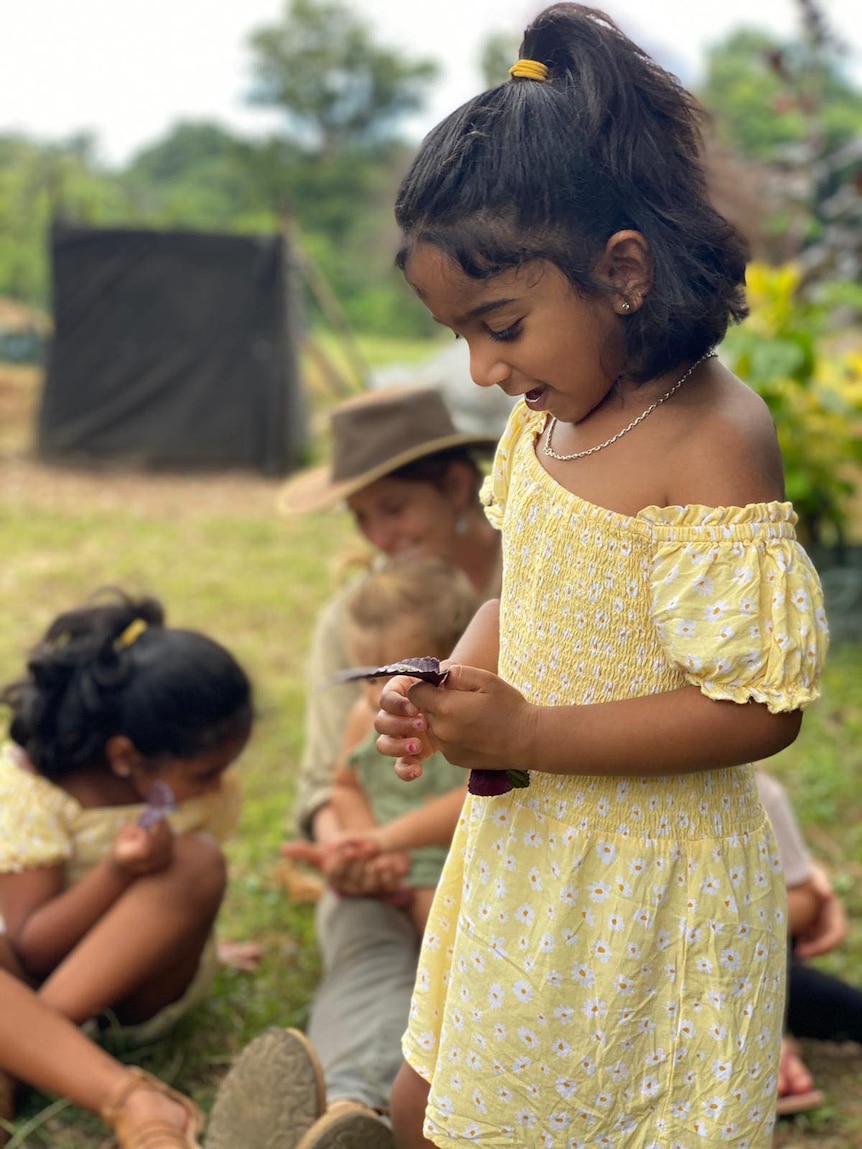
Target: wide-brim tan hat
[(373, 435)]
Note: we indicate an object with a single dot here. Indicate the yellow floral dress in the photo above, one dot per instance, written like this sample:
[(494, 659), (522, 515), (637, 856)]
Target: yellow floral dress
[(42, 825), (604, 962)]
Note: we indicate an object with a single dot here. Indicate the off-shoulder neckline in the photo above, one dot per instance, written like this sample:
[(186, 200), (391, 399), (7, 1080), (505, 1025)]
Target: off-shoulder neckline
[(691, 515)]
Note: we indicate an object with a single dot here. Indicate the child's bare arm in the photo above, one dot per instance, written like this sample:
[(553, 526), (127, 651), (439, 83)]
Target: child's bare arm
[(420, 907), (431, 824), (479, 645), (329, 820), (44, 922), (349, 803), (480, 722), (816, 915), (803, 907)]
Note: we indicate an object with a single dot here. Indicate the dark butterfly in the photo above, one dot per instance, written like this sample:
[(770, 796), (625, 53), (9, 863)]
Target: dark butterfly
[(160, 803), (428, 669), (484, 783)]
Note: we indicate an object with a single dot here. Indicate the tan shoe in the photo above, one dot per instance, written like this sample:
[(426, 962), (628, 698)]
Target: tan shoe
[(155, 1132), (348, 1125), (272, 1095)]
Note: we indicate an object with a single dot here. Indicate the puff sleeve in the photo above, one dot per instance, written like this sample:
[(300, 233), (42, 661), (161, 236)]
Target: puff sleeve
[(34, 827), (738, 605), (522, 421)]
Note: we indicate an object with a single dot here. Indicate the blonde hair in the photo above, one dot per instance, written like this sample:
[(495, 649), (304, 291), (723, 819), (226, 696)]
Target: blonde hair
[(434, 597)]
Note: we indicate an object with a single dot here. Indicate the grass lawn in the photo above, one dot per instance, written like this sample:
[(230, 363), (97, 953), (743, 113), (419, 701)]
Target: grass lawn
[(222, 560)]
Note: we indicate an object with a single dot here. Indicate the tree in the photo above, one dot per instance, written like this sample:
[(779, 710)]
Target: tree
[(198, 175), (499, 52), (790, 108), (333, 170), (767, 95), (38, 183), (337, 88)]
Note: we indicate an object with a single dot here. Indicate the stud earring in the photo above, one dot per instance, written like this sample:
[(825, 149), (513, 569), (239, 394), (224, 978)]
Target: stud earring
[(625, 306), (461, 525)]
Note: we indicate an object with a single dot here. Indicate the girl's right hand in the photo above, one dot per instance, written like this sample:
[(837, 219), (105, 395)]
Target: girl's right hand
[(138, 851), (403, 730)]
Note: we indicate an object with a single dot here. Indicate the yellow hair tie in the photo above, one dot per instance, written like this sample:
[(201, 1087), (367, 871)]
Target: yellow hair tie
[(529, 70), (130, 635)]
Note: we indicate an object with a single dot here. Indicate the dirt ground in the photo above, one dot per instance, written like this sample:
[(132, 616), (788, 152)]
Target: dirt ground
[(23, 478)]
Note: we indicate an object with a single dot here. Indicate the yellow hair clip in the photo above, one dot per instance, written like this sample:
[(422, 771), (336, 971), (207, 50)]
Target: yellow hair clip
[(130, 635), (529, 70)]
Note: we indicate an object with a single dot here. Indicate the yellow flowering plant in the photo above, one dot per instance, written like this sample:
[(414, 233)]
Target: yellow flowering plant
[(787, 351)]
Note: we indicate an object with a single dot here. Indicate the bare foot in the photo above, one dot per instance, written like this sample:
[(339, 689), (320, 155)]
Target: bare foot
[(796, 1092)]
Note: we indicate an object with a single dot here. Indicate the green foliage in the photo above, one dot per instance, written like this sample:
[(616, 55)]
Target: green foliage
[(336, 87), (197, 176), (334, 173), (814, 394), (766, 94), (499, 53), (37, 182)]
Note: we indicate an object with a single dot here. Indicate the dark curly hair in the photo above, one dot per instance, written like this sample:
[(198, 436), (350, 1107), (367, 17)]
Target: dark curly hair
[(171, 692), (551, 170)]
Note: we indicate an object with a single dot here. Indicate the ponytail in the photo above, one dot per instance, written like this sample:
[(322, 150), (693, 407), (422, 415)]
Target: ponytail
[(550, 169), (112, 667)]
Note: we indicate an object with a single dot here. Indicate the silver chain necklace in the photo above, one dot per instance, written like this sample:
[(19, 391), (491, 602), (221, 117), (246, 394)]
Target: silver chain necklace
[(548, 447)]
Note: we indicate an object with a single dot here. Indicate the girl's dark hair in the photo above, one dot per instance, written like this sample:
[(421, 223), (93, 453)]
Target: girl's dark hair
[(171, 692), (433, 469), (551, 170)]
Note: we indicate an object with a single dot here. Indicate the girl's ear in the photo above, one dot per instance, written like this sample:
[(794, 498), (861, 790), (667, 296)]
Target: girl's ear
[(122, 756), (459, 482), (626, 263)]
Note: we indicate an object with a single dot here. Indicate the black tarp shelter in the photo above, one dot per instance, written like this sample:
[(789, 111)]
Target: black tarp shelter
[(172, 350)]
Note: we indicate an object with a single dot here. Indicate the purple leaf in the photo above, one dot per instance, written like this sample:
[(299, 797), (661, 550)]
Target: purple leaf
[(160, 803), (489, 783), (428, 669)]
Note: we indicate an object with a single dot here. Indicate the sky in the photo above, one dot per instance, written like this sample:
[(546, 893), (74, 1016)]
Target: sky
[(126, 70)]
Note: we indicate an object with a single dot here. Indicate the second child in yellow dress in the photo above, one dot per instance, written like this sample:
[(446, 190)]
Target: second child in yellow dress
[(113, 803), (604, 962)]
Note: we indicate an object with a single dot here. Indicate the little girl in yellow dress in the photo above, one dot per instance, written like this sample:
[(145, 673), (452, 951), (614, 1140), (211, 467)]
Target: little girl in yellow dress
[(604, 962), (113, 804)]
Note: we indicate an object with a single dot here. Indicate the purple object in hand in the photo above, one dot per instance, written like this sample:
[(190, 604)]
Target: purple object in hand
[(160, 803), (428, 669), (484, 783), (489, 783)]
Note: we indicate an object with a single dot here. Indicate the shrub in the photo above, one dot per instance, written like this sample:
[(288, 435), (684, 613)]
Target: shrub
[(788, 352)]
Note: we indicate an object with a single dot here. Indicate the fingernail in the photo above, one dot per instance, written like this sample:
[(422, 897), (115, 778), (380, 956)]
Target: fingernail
[(412, 747), (420, 724)]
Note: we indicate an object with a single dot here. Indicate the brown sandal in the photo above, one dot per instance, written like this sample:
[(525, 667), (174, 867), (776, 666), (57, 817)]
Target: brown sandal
[(799, 1095), (156, 1133)]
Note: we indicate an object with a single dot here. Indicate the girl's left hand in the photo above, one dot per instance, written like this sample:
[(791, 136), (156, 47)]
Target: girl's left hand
[(138, 851), (830, 928), (476, 719)]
